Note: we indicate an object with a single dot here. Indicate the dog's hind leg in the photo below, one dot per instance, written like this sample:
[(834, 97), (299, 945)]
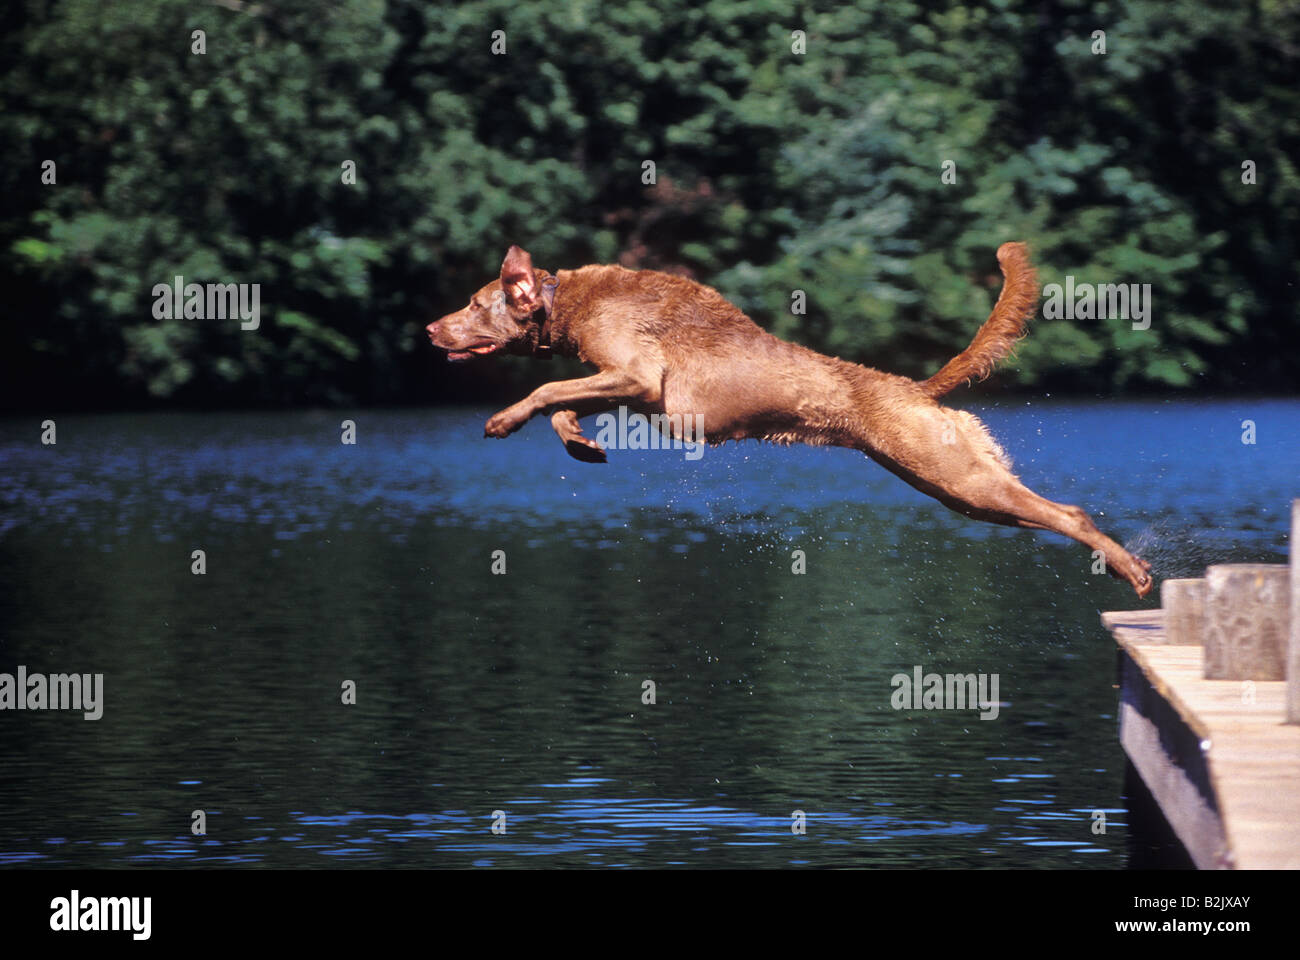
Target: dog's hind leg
[(1008, 501), (954, 460)]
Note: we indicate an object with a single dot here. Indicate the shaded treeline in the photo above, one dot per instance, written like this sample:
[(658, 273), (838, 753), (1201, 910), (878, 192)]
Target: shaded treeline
[(775, 171)]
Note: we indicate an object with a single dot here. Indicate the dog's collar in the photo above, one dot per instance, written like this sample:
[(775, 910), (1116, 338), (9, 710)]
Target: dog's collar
[(543, 348)]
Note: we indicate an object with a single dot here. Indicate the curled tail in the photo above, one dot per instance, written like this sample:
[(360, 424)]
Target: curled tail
[(1005, 325)]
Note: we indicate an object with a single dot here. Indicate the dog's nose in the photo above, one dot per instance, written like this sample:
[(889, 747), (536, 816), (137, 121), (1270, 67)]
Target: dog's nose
[(432, 330)]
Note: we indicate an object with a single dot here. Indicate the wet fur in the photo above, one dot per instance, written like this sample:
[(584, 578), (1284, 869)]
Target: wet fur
[(664, 344)]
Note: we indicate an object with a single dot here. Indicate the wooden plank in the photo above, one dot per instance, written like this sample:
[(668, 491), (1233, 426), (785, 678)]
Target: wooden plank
[(1216, 754), (1183, 602), (1293, 644), (1247, 616), (1167, 755), (1137, 626)]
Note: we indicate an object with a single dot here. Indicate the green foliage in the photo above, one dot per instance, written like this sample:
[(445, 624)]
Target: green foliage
[(776, 171)]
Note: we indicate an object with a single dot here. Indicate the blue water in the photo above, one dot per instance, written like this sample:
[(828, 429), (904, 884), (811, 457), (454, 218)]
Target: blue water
[(522, 692)]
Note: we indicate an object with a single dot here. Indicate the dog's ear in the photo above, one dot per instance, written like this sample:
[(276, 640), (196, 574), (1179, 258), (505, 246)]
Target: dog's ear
[(518, 279)]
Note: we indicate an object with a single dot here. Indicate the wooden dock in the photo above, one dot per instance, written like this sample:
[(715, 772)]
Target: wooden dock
[(1217, 755)]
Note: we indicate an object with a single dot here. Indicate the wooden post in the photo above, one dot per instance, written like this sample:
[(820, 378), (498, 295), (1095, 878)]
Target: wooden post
[(1247, 609), (1293, 655), (1183, 602)]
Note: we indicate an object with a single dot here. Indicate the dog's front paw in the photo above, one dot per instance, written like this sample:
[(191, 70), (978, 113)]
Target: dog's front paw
[(504, 423), (588, 451)]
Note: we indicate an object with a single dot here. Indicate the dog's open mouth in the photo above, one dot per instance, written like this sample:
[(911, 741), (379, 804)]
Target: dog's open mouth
[(474, 350)]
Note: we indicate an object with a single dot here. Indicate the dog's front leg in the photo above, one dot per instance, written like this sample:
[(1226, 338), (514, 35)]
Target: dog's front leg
[(578, 446), (604, 389)]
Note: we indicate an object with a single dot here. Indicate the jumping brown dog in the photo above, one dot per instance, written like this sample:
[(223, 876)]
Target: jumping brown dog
[(669, 346)]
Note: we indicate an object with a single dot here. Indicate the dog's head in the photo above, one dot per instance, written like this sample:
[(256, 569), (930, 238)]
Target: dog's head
[(501, 317)]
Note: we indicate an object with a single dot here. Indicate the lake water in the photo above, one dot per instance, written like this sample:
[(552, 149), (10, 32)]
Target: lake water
[(523, 692)]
